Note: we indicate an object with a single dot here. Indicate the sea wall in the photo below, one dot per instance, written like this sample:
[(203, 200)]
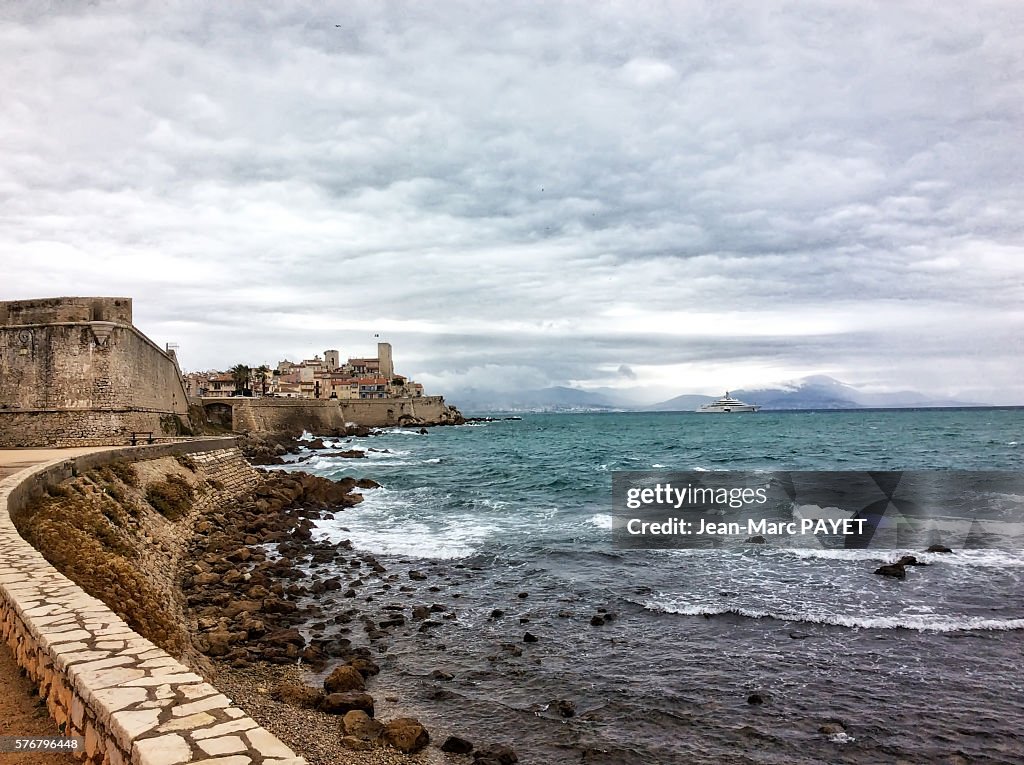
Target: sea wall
[(283, 415), (75, 371), (130, 700)]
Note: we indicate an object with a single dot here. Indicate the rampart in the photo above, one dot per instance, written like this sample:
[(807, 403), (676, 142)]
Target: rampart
[(128, 699), (76, 372), (285, 415)]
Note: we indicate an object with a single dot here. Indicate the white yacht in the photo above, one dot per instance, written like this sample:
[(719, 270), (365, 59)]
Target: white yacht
[(727, 404)]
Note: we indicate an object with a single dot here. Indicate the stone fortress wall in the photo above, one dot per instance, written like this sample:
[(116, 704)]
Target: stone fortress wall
[(286, 415), (74, 371), (128, 699)]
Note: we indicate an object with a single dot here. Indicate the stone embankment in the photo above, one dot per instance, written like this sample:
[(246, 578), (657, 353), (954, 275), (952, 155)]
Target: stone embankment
[(128, 698)]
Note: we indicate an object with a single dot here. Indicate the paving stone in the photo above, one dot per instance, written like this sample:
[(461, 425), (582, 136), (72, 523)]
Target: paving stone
[(163, 750), (236, 760), (243, 723), (108, 678), (267, 744), (119, 698), (164, 679), (220, 701), (129, 724), (197, 720), (223, 745)]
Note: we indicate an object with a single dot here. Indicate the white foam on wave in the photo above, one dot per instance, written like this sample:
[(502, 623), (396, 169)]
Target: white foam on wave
[(911, 621), (968, 558), (601, 520), (392, 523)]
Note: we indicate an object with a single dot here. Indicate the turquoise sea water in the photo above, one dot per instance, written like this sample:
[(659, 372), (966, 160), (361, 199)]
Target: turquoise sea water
[(916, 669)]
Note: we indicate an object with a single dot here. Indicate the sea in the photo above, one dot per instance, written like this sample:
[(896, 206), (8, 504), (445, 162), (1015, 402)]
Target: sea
[(744, 654)]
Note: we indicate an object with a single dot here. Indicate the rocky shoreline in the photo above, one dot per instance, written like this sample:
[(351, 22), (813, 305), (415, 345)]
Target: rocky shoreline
[(285, 622)]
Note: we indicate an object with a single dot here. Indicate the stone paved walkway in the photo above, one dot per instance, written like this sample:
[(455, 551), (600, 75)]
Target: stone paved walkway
[(157, 709)]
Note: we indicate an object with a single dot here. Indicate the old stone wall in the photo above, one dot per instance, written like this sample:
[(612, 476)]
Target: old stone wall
[(430, 410), (128, 699), (75, 370), (276, 415)]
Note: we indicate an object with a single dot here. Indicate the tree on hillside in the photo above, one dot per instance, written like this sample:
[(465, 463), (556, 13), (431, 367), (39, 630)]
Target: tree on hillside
[(241, 374)]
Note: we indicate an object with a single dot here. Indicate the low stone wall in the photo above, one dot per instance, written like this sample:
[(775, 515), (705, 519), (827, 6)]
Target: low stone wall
[(131, 701)]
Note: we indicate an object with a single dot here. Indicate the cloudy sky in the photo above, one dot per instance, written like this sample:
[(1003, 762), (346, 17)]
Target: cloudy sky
[(676, 197)]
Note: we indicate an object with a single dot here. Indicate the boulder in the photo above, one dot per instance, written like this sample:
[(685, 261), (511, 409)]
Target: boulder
[(895, 570), (365, 667), (758, 540), (297, 695), (360, 725), (909, 560), (498, 753), (457, 745), (341, 703), (939, 549), (564, 707), (406, 735), (344, 678)]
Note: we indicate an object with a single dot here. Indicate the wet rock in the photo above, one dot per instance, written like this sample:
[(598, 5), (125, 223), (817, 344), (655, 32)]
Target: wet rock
[(523, 595), (596, 620), (756, 698), (529, 637), (341, 703), (894, 570), (500, 754), (360, 725), (457, 745), (365, 667), (440, 674), (406, 734), (420, 612), (939, 549), (910, 560), (417, 576), (235, 608), (831, 729), (564, 707), (344, 678), (757, 540)]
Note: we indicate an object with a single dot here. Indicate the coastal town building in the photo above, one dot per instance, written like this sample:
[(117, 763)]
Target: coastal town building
[(326, 377)]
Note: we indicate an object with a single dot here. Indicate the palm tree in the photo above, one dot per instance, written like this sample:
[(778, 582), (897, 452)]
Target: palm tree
[(263, 370), (241, 374)]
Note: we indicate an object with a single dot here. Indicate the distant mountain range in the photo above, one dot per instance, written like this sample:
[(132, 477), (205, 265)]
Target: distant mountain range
[(815, 392)]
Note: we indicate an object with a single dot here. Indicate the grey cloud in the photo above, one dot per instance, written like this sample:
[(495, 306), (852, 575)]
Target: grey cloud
[(260, 176)]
